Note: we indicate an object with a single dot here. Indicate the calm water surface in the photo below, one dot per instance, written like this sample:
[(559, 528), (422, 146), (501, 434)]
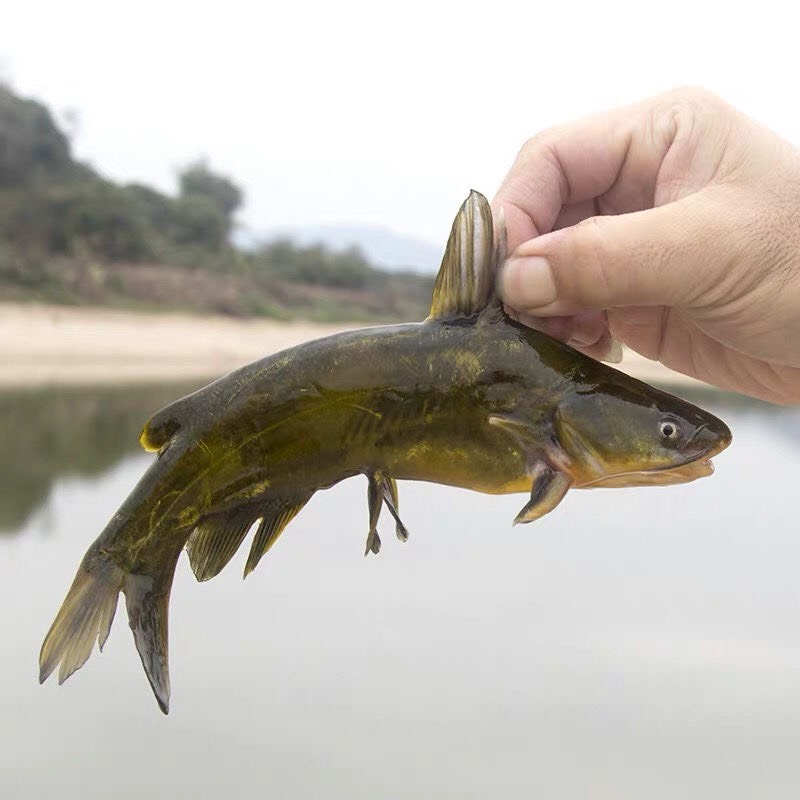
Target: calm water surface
[(640, 643)]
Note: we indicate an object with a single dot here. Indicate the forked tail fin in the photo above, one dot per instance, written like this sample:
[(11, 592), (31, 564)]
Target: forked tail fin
[(88, 611), (147, 599), (85, 615)]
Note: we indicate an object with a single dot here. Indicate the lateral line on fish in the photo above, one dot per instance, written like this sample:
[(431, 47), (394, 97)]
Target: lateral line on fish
[(285, 421)]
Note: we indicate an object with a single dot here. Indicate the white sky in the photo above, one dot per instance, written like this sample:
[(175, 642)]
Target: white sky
[(385, 113)]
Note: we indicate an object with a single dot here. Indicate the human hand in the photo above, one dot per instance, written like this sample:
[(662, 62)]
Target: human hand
[(673, 226)]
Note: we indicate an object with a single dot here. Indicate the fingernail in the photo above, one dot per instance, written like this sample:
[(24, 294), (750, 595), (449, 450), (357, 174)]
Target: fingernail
[(528, 282)]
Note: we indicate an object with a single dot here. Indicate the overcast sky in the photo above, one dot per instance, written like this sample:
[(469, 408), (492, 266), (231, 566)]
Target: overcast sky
[(385, 113)]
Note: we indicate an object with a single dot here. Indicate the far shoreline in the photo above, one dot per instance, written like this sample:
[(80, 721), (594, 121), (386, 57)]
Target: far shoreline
[(48, 345)]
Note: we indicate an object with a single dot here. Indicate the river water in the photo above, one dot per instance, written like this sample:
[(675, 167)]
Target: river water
[(636, 643)]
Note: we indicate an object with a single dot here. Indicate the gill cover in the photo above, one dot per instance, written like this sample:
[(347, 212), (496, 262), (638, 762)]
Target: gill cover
[(625, 433)]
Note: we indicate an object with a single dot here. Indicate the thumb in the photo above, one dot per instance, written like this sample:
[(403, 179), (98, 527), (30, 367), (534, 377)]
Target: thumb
[(662, 256)]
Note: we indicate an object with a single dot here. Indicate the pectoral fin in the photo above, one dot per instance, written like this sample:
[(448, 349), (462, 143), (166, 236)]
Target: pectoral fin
[(549, 483), (549, 488)]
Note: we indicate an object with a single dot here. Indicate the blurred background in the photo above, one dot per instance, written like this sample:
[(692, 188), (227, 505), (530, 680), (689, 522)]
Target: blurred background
[(184, 189)]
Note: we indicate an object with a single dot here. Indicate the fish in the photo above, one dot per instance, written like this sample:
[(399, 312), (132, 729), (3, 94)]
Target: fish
[(468, 398)]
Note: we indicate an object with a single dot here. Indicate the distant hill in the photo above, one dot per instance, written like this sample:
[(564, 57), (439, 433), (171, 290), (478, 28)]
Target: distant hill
[(382, 247), (70, 235)]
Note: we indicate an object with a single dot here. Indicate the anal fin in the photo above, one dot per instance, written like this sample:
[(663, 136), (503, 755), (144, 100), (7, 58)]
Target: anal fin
[(216, 539), (275, 516)]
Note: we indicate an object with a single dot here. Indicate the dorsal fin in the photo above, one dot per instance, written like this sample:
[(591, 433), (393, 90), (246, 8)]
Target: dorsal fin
[(465, 283)]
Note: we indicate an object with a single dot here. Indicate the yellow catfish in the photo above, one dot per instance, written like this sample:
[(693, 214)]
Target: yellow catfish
[(468, 398)]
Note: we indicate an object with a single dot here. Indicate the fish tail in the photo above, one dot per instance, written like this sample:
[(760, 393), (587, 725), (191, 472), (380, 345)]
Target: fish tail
[(85, 615), (147, 600), (88, 611)]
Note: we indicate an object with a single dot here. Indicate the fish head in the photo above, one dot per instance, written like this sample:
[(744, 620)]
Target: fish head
[(631, 434)]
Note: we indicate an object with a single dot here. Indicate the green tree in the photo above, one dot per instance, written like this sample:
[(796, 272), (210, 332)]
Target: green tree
[(198, 221), (100, 217), (198, 179), (205, 206), (32, 148), (156, 210)]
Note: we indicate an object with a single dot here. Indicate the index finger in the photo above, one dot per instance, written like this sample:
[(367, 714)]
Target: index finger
[(611, 158)]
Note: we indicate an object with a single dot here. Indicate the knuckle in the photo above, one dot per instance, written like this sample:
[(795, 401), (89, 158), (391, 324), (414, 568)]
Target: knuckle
[(696, 116), (539, 144), (692, 99), (537, 168), (682, 108)]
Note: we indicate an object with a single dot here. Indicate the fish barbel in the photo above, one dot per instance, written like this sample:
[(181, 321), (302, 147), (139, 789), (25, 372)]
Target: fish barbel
[(468, 398)]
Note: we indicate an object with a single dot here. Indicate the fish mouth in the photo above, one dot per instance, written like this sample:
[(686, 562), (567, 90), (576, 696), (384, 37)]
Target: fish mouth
[(695, 465), (658, 476)]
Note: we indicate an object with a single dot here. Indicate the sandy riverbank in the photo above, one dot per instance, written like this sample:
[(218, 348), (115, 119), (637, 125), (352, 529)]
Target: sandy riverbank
[(41, 345)]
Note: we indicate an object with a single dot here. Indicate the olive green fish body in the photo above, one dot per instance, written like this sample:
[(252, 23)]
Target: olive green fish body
[(387, 398), (467, 398)]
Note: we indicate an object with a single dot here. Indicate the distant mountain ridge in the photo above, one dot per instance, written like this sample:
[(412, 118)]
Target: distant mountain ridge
[(381, 246)]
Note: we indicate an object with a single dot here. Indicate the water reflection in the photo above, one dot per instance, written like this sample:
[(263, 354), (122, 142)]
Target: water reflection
[(51, 433), (635, 643)]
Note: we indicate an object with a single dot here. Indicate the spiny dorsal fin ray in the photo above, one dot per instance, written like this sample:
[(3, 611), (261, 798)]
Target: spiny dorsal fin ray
[(465, 283), (275, 516)]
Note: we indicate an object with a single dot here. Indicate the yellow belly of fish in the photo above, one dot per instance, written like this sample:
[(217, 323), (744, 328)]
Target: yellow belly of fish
[(464, 467)]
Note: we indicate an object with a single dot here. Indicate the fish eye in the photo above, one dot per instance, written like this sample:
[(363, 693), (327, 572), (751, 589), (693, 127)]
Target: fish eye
[(668, 428)]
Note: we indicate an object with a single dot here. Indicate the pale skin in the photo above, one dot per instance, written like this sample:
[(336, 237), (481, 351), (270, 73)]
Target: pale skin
[(672, 226)]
